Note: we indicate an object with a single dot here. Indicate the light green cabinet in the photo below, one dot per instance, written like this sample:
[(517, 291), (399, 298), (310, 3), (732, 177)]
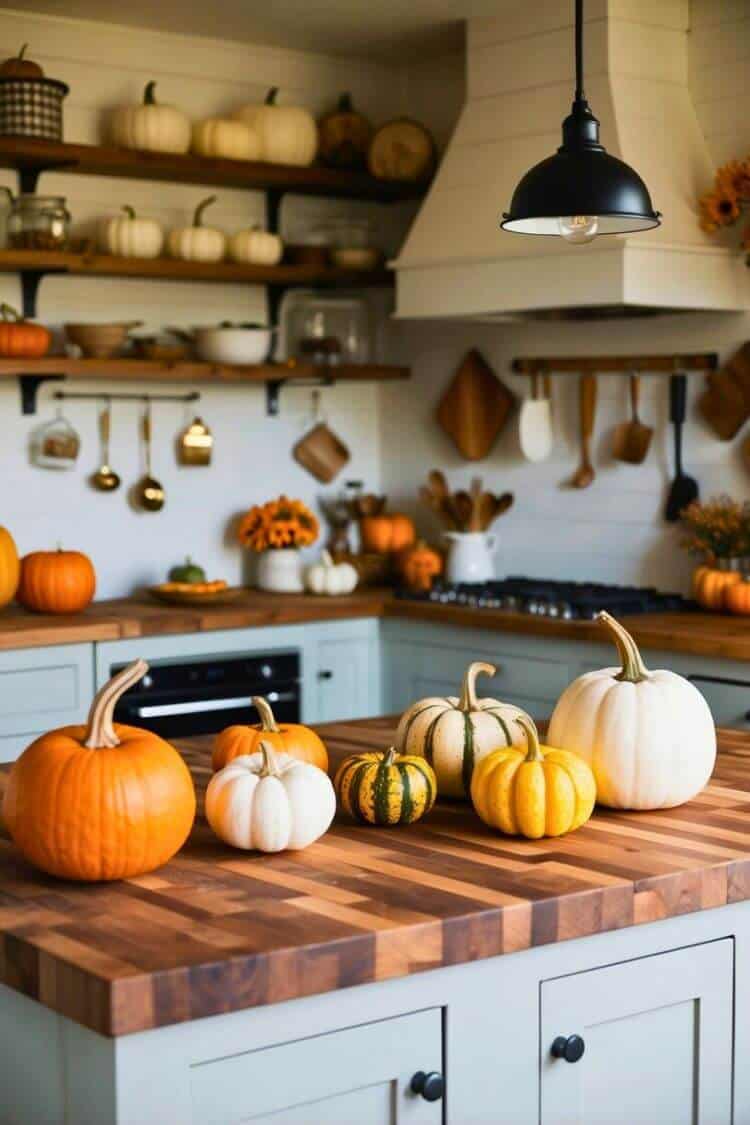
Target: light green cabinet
[(42, 688)]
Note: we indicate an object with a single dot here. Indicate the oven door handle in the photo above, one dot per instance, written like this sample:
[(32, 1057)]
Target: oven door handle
[(203, 706)]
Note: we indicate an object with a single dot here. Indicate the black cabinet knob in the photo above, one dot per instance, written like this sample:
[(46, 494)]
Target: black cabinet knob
[(325, 674), (570, 1049), (430, 1086)]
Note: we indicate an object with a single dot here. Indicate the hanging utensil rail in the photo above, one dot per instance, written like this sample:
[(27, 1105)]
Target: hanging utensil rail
[(616, 364), (99, 396)]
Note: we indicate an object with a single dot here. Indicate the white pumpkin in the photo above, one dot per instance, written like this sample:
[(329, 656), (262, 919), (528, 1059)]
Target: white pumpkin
[(198, 243), (256, 246), (226, 139), (151, 126), (270, 802), (127, 236), (288, 134), (648, 736), (328, 577), (455, 733)]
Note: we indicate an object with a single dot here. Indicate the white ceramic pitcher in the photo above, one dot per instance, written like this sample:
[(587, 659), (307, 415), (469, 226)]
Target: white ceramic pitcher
[(470, 556)]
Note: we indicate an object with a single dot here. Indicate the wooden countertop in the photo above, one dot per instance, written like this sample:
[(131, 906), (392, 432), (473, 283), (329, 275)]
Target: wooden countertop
[(219, 930), (704, 634)]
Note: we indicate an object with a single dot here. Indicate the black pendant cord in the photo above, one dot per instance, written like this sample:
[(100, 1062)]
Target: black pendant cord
[(580, 92)]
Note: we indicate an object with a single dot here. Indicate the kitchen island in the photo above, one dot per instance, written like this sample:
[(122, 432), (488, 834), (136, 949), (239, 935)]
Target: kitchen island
[(313, 987)]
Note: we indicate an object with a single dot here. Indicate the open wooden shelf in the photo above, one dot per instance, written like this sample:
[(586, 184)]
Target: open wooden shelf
[(31, 156), (90, 263)]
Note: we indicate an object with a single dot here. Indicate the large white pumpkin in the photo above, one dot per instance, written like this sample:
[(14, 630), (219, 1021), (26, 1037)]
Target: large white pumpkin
[(151, 126), (648, 736), (288, 133), (198, 243), (270, 802), (454, 733), (127, 236), (226, 139)]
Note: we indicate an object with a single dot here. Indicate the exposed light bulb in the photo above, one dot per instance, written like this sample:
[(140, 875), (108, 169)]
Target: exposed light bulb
[(578, 228)]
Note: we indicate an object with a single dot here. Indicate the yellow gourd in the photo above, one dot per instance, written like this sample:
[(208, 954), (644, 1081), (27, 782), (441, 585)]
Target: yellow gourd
[(540, 792)]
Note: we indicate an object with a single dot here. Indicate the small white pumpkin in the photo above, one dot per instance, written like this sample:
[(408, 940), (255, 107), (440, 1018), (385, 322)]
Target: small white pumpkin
[(270, 802), (256, 246), (328, 577), (648, 736), (226, 139), (151, 126), (198, 243), (455, 733), (288, 134), (127, 236)]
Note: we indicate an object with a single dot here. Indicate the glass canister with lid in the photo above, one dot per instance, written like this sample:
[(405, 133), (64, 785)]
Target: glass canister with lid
[(38, 222)]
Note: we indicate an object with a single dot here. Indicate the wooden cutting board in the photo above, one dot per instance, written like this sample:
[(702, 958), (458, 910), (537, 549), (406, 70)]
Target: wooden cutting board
[(475, 407), (725, 405), (322, 453)]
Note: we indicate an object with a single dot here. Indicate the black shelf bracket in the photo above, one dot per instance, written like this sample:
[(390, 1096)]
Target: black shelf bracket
[(29, 386), (274, 199), (30, 280), (28, 174), (273, 387)]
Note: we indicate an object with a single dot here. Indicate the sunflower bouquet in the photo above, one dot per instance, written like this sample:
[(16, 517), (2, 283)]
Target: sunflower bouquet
[(718, 528), (729, 199), (278, 524)]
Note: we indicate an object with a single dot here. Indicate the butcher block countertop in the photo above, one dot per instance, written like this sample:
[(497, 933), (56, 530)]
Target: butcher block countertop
[(704, 634), (218, 930)]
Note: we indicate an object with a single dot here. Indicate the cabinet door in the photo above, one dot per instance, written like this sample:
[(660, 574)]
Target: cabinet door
[(343, 680), (360, 1075), (658, 1041), (42, 688)]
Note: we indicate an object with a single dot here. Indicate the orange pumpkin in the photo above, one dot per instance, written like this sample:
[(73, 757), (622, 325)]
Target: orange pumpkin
[(10, 567), (56, 581), (420, 565), (291, 738), (387, 533), (737, 597), (710, 585), (20, 339), (101, 801)]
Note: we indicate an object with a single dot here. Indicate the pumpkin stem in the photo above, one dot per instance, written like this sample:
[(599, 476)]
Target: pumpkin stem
[(345, 103), (634, 671), (149, 94), (129, 211), (22, 52), (325, 558), (468, 700), (198, 216), (267, 719), (270, 767), (390, 756), (100, 730), (8, 313), (528, 726), (271, 95)]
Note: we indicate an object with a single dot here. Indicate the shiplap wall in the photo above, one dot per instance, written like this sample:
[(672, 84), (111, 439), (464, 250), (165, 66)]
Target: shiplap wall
[(106, 66), (612, 531)]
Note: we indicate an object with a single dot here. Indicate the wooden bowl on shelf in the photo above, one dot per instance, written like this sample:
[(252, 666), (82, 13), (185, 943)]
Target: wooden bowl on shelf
[(99, 341)]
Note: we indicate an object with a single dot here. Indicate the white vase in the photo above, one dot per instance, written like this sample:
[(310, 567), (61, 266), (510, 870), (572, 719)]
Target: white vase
[(470, 556), (280, 571)]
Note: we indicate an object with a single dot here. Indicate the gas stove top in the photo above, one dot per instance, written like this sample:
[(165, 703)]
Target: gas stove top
[(567, 601)]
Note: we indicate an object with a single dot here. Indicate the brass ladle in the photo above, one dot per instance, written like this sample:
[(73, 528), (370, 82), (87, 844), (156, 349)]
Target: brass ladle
[(105, 479), (149, 492)]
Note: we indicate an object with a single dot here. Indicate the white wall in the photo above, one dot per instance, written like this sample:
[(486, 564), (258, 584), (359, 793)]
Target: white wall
[(614, 530)]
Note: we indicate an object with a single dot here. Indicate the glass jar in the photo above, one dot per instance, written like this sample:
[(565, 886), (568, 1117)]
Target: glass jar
[(38, 222), (328, 330)]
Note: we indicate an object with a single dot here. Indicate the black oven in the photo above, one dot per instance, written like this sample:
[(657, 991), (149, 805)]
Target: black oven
[(202, 696)]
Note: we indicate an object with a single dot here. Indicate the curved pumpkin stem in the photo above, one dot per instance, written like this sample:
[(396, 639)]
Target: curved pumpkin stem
[(198, 216), (390, 756), (528, 726), (267, 718), (270, 767), (129, 211), (468, 700), (634, 671), (149, 94), (100, 730), (271, 95), (326, 558)]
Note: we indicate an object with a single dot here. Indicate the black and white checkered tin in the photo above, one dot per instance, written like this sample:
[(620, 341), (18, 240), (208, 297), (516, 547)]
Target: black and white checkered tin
[(32, 107)]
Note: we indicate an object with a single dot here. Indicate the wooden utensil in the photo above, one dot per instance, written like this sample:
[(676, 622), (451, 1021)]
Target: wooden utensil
[(535, 425), (320, 450), (725, 404), (475, 493), (475, 407), (584, 474), (149, 492), (684, 489), (105, 479), (502, 504), (631, 440), (463, 507), (438, 506)]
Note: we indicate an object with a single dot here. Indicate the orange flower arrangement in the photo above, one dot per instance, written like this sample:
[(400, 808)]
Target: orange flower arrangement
[(724, 205), (718, 528), (278, 524)]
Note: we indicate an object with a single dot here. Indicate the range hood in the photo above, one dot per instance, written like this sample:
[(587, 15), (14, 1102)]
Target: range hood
[(457, 263)]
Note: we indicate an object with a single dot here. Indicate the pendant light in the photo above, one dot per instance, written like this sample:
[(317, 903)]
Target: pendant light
[(581, 191)]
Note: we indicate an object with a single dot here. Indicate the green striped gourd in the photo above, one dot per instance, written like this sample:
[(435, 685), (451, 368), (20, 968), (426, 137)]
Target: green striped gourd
[(455, 733), (386, 789)]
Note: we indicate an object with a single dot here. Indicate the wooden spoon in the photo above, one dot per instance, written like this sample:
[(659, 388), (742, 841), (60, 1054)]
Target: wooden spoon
[(502, 503), (463, 506), (584, 474), (631, 440)]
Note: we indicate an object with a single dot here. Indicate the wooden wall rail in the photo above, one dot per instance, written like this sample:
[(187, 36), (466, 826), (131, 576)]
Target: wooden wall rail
[(609, 364)]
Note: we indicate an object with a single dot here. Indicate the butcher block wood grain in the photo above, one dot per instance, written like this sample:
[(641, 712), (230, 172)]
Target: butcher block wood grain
[(219, 930)]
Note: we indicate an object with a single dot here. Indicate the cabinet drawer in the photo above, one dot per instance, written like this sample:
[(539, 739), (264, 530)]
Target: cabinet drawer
[(43, 688), (361, 1074), (440, 671), (657, 1034)]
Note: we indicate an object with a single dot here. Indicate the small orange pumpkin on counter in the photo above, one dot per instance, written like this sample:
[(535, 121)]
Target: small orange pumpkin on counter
[(10, 567), (20, 339), (56, 581), (101, 801), (420, 565), (737, 596), (290, 738), (710, 585), (387, 533)]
